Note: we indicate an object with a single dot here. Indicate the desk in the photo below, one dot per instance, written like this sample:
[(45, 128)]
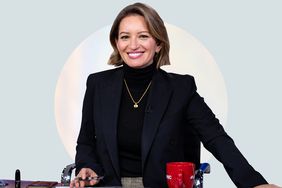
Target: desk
[(24, 184), (11, 183)]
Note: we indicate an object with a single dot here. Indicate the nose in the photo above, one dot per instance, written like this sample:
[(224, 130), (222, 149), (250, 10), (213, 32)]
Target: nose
[(133, 43)]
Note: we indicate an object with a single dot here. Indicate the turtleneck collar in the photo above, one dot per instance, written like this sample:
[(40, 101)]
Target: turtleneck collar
[(139, 77)]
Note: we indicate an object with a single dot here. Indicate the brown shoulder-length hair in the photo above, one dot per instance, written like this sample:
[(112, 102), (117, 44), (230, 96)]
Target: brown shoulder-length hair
[(155, 26)]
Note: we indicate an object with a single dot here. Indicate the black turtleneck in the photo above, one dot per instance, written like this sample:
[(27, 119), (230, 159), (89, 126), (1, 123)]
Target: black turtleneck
[(131, 119)]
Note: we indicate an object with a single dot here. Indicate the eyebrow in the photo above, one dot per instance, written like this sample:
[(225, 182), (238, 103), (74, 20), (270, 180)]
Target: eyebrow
[(124, 32)]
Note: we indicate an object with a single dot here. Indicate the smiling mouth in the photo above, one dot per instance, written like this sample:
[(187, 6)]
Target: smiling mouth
[(135, 55)]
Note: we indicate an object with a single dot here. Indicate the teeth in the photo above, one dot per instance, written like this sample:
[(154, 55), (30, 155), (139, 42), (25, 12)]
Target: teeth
[(134, 54)]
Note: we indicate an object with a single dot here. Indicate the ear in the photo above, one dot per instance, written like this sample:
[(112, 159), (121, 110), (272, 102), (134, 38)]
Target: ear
[(158, 49)]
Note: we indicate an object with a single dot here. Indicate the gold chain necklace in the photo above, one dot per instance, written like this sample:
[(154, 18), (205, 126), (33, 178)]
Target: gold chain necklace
[(135, 105)]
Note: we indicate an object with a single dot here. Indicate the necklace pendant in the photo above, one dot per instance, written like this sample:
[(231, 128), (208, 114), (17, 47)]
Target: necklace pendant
[(135, 105)]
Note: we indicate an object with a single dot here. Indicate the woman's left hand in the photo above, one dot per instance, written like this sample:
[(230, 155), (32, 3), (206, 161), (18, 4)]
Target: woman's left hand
[(267, 186)]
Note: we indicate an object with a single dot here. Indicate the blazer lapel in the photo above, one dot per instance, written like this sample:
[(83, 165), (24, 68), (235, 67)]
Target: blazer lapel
[(156, 106), (110, 101)]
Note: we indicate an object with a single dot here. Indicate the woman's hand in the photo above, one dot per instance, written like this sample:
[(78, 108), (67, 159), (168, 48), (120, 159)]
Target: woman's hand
[(81, 179), (267, 186)]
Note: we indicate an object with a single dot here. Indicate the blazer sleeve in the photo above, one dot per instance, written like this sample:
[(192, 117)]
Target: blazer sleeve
[(86, 154), (216, 140)]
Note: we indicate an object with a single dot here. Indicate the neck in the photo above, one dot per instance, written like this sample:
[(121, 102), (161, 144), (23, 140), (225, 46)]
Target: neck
[(139, 77)]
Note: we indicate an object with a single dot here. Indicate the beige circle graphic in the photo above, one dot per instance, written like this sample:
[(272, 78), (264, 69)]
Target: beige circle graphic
[(188, 56)]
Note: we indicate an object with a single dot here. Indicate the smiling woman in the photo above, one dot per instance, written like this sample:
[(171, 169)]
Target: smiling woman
[(187, 55), (135, 44), (130, 145)]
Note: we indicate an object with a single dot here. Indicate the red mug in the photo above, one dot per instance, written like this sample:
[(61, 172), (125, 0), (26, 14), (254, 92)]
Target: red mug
[(180, 174)]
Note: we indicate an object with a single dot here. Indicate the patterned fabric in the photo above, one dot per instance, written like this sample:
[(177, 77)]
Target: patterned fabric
[(132, 182)]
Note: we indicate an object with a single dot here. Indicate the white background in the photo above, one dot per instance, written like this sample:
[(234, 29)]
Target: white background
[(37, 37)]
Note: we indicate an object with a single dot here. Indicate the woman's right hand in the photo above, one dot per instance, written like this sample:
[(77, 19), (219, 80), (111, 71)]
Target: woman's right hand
[(81, 179)]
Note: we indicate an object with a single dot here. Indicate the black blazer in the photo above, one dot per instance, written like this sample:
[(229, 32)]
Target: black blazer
[(174, 108)]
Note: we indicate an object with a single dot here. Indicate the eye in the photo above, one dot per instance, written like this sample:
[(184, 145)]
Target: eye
[(124, 37), (144, 37)]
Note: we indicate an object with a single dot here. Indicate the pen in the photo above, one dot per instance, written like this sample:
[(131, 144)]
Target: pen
[(18, 179), (97, 178)]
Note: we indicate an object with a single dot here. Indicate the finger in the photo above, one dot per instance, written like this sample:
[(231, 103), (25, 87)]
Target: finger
[(82, 183), (93, 174), (77, 184), (83, 173), (72, 184), (93, 182)]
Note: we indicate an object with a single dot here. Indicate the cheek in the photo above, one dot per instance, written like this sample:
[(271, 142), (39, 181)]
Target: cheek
[(120, 47)]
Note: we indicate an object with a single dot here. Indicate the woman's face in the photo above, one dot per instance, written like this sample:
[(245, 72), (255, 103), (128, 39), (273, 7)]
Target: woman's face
[(135, 44)]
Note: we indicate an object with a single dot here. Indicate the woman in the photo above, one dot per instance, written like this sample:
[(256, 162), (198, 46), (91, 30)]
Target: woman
[(135, 117)]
